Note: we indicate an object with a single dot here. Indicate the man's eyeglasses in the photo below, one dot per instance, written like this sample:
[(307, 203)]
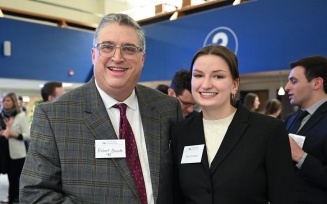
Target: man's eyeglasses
[(109, 50), (184, 103)]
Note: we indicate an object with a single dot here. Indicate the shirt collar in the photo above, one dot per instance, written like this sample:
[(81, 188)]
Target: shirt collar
[(315, 106), (109, 101)]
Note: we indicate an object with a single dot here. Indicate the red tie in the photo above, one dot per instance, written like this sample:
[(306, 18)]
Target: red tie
[(132, 156)]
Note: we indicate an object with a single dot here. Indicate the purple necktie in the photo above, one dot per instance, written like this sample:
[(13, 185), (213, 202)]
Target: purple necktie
[(132, 156)]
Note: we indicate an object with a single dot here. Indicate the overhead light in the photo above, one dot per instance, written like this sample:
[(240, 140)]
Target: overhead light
[(67, 84), (63, 85), (174, 16), (237, 2), (281, 91), (26, 99)]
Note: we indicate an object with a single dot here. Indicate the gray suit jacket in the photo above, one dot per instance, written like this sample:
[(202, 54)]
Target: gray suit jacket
[(61, 166)]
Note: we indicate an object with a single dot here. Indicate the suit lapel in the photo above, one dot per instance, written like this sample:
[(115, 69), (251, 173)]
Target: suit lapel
[(313, 120), (96, 117), (98, 121), (152, 133), (233, 135), (290, 121)]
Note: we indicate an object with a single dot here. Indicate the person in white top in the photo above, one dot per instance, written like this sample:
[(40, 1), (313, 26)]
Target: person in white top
[(18, 133)]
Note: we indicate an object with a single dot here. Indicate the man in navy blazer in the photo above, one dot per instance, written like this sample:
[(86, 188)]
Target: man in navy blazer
[(64, 164), (307, 88)]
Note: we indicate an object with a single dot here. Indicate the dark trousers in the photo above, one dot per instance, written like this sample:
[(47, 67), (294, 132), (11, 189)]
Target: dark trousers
[(14, 171)]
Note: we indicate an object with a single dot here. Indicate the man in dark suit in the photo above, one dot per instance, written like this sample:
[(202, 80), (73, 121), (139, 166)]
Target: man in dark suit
[(67, 161), (51, 90), (180, 87), (307, 88)]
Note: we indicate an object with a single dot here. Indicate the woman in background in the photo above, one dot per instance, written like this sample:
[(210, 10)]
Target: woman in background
[(18, 132), (273, 108), (251, 102), (4, 151), (227, 154)]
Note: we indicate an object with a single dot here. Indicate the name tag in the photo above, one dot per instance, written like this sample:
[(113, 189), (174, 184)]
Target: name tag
[(192, 154), (110, 149)]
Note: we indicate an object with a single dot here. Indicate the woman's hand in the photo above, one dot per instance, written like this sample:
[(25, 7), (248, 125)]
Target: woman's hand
[(8, 122)]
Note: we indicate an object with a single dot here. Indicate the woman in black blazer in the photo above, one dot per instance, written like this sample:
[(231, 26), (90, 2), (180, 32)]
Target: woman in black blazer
[(226, 154)]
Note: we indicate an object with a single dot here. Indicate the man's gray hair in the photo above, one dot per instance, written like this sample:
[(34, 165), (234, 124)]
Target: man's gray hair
[(121, 19)]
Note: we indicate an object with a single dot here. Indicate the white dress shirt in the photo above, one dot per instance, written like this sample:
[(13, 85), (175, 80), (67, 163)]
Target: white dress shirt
[(132, 114)]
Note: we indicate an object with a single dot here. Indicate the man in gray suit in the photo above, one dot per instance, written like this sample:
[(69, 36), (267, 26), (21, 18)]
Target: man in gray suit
[(67, 161)]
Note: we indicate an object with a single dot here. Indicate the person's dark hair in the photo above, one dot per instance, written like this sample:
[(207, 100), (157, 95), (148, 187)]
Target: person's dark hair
[(20, 98), (49, 89), (163, 88), (314, 66), (249, 101), (121, 19), (225, 53), (181, 81), (272, 106)]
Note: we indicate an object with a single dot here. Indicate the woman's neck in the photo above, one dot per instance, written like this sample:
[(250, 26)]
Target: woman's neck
[(214, 113)]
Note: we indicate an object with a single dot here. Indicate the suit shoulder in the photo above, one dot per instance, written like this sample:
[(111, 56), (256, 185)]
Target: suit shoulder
[(74, 96), (154, 95), (187, 122)]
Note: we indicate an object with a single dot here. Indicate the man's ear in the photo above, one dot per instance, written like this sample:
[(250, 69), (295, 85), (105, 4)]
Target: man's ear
[(50, 98), (171, 92), (318, 82)]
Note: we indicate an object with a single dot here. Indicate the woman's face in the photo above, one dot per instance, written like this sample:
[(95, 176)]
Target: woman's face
[(8, 103), (212, 82), (256, 103)]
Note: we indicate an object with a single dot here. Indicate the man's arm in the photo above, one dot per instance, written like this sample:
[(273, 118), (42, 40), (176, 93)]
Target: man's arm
[(40, 180), (310, 167)]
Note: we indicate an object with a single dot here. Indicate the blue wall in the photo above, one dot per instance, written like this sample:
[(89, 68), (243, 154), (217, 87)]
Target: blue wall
[(265, 34), (44, 52), (270, 34)]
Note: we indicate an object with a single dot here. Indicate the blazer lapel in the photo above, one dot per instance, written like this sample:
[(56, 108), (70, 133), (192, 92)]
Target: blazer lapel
[(233, 135), (152, 131), (197, 137), (98, 121)]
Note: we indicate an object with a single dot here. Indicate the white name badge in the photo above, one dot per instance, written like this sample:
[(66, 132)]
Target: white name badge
[(192, 154), (110, 149)]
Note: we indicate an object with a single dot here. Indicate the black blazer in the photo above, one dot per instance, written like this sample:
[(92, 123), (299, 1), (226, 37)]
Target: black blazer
[(311, 179), (253, 164)]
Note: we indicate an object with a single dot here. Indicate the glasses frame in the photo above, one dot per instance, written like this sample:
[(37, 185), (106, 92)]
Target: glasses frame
[(184, 103), (138, 49)]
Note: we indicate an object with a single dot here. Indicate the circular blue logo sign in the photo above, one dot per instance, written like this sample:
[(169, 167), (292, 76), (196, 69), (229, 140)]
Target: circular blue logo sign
[(222, 36)]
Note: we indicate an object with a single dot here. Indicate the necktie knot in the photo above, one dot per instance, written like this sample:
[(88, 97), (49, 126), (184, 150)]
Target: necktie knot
[(122, 107), (302, 114)]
